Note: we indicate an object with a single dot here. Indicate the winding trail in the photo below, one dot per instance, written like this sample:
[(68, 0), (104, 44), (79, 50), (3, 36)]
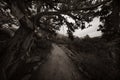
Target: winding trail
[(58, 67)]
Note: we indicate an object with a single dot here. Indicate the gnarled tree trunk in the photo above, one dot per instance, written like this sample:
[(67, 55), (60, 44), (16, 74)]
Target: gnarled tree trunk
[(17, 47)]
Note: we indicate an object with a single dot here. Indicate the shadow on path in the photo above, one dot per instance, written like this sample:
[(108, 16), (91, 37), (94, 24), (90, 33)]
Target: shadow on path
[(58, 67)]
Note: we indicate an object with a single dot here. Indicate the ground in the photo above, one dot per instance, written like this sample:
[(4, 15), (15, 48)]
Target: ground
[(58, 67)]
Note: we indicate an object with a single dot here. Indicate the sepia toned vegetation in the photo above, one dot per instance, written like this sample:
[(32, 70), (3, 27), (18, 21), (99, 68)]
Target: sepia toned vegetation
[(28, 30)]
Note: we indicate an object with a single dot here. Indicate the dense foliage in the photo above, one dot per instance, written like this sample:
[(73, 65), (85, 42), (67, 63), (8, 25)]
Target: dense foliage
[(96, 58), (25, 25), (50, 15), (110, 17)]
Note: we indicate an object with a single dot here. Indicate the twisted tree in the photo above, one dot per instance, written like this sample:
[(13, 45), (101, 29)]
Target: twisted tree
[(40, 18)]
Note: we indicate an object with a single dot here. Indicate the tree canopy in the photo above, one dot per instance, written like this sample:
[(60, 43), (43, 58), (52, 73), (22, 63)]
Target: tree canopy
[(110, 17), (24, 22), (49, 15)]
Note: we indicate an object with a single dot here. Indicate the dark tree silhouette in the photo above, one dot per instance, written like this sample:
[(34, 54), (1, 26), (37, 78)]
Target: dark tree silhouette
[(39, 18), (110, 16)]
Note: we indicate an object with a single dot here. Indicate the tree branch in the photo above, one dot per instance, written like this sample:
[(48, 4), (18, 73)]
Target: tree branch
[(70, 10), (49, 3)]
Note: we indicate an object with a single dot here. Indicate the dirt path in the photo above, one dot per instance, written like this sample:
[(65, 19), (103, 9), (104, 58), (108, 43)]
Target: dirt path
[(58, 67)]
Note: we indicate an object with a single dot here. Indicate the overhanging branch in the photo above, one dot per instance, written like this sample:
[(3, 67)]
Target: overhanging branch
[(70, 10)]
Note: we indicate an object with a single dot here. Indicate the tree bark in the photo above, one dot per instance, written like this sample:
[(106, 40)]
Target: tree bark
[(19, 44)]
